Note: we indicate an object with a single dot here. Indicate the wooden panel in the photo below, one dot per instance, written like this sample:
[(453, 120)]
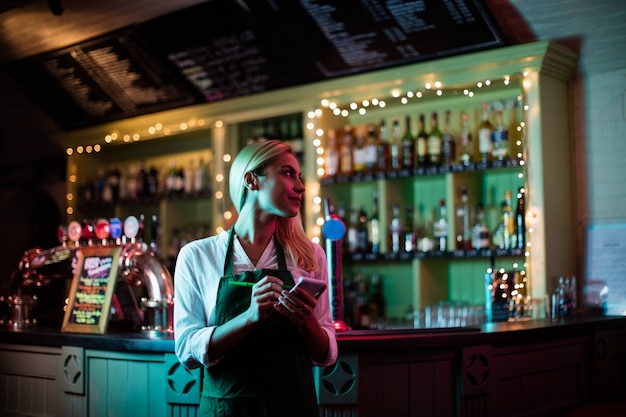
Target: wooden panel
[(125, 384), (543, 378), (407, 384), (28, 373)]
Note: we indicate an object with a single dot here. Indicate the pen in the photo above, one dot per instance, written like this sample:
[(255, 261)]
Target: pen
[(250, 284)]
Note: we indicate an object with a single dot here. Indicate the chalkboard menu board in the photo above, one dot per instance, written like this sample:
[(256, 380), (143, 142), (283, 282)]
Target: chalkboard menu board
[(92, 290), (231, 48), (235, 48), (106, 79)]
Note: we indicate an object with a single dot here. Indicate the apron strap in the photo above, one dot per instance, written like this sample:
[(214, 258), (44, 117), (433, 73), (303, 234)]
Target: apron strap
[(228, 262)]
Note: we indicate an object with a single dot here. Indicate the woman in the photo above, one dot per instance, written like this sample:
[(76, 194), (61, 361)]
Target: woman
[(257, 343)]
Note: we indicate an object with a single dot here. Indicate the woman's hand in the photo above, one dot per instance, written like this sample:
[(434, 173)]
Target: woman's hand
[(297, 306), (265, 293)]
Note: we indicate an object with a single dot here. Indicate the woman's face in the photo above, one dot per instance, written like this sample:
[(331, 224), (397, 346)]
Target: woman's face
[(280, 187)]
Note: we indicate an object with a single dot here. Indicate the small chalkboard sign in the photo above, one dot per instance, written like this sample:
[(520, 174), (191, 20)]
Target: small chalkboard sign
[(92, 290)]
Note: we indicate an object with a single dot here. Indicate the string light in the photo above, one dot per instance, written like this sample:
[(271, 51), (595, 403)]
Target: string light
[(437, 89)]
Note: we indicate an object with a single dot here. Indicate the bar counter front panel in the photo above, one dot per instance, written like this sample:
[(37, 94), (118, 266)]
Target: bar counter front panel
[(532, 368)]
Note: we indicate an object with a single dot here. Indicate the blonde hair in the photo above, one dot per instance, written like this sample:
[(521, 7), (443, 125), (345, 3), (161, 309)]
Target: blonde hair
[(289, 230)]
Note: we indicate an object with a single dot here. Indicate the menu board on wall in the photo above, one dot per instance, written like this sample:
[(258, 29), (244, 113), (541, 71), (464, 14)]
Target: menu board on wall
[(92, 290), (235, 48), (221, 49), (109, 78)]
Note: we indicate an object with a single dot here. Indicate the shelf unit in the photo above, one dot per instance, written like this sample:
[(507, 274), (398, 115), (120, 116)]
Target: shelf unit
[(536, 72)]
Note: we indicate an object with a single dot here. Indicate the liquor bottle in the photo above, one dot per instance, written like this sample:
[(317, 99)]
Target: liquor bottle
[(358, 150), (506, 221), (143, 180), (395, 229), (463, 235), (371, 149), (201, 177), (485, 133), (188, 176), (341, 213), (466, 145), (421, 238), (170, 182), (331, 159), (362, 232), (448, 146), (353, 225), (480, 230), (410, 236), (374, 225), (383, 157), (500, 139), (361, 313), (440, 228), (345, 152), (520, 219), (434, 142), (408, 145), (395, 147), (376, 302), (421, 141)]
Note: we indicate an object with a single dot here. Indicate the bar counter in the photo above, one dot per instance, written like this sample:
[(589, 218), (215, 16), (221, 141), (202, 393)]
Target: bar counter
[(529, 368)]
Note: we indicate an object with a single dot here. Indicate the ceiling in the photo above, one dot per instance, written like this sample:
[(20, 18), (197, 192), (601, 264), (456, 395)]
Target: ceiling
[(33, 27), (29, 27)]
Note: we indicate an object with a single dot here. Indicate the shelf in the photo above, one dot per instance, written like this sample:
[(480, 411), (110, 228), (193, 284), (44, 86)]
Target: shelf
[(451, 255), (421, 172)]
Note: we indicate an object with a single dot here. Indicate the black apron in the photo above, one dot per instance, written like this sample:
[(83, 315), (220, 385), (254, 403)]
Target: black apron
[(269, 374)]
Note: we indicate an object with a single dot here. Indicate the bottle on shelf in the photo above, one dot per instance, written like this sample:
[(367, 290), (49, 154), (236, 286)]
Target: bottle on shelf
[(188, 177), (395, 146), (463, 233), (466, 144), (358, 150), (505, 230), (440, 228), (408, 145), (383, 161), (410, 236), (201, 178), (376, 302), (520, 219), (132, 183), (395, 229), (448, 145), (492, 212), (331, 158), (353, 225), (361, 313), (434, 143), (421, 142), (374, 225), (341, 213), (345, 152), (485, 135), (362, 232), (423, 232), (371, 149), (480, 230), (500, 136)]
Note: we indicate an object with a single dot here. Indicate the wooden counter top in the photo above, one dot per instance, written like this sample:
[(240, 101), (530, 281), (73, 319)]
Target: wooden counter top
[(350, 341)]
